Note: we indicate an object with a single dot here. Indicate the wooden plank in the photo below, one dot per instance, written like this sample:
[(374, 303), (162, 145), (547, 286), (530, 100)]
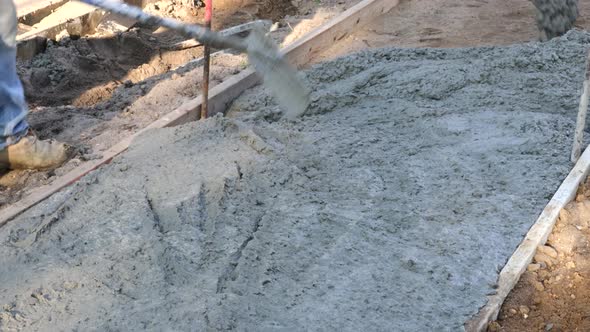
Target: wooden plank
[(35, 10), (536, 236), (116, 23), (581, 119), (26, 7), (220, 97), (58, 15), (41, 193), (61, 16), (235, 30), (303, 50)]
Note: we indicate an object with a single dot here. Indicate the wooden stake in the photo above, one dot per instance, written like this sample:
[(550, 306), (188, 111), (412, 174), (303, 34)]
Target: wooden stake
[(582, 110)]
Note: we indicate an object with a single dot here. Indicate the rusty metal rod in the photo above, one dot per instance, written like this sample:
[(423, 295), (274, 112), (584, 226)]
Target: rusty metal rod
[(207, 64)]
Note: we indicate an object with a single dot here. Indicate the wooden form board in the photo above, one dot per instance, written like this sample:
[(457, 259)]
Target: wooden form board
[(303, 50), (26, 7), (536, 236), (61, 16), (220, 96), (56, 15)]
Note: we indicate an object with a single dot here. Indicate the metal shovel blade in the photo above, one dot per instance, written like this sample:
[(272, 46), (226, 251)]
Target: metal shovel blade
[(278, 75)]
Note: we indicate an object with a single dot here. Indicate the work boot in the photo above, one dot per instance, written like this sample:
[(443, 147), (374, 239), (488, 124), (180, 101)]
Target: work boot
[(32, 153)]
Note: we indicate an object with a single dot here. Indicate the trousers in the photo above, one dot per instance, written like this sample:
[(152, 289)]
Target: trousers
[(13, 108)]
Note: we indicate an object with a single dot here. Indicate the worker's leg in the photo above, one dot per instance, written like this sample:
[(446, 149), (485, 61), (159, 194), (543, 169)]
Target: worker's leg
[(17, 149), (13, 108)]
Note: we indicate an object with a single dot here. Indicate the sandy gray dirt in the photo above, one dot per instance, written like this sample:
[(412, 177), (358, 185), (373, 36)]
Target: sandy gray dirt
[(555, 17), (391, 205)]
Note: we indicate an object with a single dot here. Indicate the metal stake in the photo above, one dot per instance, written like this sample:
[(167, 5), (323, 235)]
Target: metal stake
[(207, 58)]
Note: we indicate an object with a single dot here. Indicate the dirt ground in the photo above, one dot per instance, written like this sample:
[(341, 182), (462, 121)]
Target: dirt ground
[(451, 23), (553, 295)]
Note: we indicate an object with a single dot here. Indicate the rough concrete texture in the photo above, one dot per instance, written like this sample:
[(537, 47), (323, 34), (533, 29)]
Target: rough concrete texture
[(555, 17), (391, 205)]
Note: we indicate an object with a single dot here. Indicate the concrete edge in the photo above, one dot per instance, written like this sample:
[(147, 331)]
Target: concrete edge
[(536, 236)]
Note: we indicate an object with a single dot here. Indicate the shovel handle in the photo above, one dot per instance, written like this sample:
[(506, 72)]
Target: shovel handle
[(203, 35)]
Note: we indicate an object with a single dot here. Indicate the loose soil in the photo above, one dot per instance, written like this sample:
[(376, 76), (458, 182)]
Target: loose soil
[(374, 211), (451, 23), (553, 294)]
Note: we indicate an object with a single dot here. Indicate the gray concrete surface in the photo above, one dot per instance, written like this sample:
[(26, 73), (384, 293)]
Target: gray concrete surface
[(391, 205)]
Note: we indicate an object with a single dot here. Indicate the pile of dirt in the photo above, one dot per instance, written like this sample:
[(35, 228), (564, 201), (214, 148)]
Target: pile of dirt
[(225, 12), (86, 71), (377, 209), (553, 294), (276, 10)]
